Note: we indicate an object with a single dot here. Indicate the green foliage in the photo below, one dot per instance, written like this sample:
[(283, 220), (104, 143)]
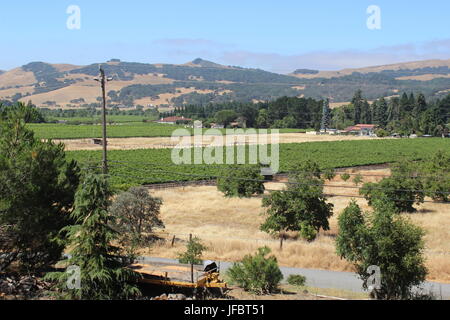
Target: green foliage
[(225, 117), (241, 181), (436, 176), (402, 188), (301, 207), (37, 187), (259, 274), (345, 176), (136, 214), (329, 174), (27, 112), (381, 133), (296, 280), (104, 272), (336, 154), (357, 179), (386, 240), (193, 253)]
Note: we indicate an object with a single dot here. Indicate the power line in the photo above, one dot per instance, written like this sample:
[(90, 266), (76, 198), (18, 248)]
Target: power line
[(292, 183), (234, 167)]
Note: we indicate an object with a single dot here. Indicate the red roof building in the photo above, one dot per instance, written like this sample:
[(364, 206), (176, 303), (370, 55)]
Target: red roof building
[(362, 129)]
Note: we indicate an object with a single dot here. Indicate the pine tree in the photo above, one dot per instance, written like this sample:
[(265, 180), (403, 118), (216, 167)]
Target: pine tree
[(325, 115), (104, 274), (357, 102)]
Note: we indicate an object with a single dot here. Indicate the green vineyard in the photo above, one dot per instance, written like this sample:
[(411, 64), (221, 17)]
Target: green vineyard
[(147, 166)]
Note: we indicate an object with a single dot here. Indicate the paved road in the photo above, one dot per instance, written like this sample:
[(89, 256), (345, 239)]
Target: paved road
[(325, 279)]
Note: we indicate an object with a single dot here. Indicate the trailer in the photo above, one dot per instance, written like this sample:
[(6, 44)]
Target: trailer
[(205, 279)]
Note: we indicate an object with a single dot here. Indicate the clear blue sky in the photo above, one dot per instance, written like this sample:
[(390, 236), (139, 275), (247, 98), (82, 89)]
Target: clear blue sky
[(274, 35)]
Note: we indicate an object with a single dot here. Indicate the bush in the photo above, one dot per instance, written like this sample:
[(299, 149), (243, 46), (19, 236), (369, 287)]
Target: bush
[(386, 240), (241, 181), (258, 274), (301, 207), (402, 189), (345, 176), (296, 280), (436, 176), (136, 214), (193, 254), (381, 133)]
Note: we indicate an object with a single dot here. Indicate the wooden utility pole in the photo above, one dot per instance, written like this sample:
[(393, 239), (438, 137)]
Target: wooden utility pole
[(103, 79)]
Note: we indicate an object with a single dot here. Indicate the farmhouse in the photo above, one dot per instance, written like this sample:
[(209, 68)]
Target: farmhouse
[(173, 120), (362, 129)]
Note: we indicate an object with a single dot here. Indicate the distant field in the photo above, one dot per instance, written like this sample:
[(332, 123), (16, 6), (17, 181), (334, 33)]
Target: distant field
[(118, 130), (146, 166), (113, 118)]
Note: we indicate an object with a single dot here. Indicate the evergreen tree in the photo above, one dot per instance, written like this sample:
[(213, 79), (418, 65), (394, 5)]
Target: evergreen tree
[(357, 102), (325, 115), (37, 187), (104, 273)]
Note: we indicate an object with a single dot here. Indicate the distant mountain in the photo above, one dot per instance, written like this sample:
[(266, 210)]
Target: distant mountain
[(201, 82)]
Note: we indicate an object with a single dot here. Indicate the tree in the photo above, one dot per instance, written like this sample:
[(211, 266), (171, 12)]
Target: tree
[(385, 240), (103, 271), (27, 112), (259, 274), (226, 116), (301, 207), (357, 102), (136, 214), (37, 187), (193, 254), (325, 115), (241, 181), (402, 188), (436, 176)]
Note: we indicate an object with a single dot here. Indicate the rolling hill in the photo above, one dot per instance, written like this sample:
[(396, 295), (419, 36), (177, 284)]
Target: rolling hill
[(201, 81)]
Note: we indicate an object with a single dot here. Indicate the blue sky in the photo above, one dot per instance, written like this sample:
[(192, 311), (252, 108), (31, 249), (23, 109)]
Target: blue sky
[(273, 35)]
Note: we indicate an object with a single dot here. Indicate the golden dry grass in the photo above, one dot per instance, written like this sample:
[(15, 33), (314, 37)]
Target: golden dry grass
[(230, 229), (165, 142)]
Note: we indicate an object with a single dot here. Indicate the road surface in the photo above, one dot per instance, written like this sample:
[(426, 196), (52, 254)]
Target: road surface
[(325, 279)]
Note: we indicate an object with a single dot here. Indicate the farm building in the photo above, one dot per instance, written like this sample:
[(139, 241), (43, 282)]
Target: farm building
[(362, 129), (173, 120)]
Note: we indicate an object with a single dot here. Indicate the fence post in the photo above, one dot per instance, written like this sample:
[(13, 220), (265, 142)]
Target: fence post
[(192, 265), (173, 240)]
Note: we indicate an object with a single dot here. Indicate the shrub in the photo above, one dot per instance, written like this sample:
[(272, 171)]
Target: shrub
[(436, 176), (402, 189), (136, 215), (241, 181), (258, 274), (301, 207), (194, 251), (296, 280), (345, 176), (386, 240)]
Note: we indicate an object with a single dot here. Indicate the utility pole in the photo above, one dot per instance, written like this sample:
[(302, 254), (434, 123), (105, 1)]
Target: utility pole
[(103, 79)]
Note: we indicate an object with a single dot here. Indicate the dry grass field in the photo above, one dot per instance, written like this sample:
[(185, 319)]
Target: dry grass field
[(230, 228), (165, 142)]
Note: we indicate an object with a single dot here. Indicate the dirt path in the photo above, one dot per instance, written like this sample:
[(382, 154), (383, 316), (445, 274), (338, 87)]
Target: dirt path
[(168, 142)]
